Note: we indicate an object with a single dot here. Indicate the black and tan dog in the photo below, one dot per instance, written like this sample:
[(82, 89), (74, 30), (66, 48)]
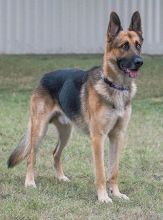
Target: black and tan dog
[(98, 101)]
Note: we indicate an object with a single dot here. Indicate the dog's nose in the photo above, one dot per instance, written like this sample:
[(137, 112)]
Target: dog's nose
[(138, 61)]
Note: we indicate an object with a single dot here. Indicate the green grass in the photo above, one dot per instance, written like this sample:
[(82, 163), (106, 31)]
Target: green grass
[(141, 169)]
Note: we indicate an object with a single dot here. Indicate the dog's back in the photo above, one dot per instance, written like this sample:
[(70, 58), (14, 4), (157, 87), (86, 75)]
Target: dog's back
[(65, 87)]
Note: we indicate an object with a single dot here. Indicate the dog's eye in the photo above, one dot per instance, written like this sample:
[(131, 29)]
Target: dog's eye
[(125, 46), (138, 46)]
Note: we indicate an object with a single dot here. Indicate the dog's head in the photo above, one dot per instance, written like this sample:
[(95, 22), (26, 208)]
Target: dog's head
[(123, 48)]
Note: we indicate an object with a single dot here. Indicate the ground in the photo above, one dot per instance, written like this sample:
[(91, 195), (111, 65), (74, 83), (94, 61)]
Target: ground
[(141, 167)]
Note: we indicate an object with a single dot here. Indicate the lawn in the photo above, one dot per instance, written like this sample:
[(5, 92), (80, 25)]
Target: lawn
[(141, 168)]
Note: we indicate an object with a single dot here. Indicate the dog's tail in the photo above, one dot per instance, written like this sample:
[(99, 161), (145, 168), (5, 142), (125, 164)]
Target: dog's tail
[(22, 149)]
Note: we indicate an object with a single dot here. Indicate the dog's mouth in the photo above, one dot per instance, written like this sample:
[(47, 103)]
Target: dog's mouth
[(132, 73)]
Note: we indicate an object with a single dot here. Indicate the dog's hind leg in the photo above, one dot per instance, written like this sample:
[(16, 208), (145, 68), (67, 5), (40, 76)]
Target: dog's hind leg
[(64, 129), (41, 109), (38, 128)]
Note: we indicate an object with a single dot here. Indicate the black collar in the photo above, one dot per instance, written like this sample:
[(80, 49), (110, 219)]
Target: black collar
[(114, 85)]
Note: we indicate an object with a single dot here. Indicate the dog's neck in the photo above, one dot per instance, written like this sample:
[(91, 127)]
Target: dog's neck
[(113, 85)]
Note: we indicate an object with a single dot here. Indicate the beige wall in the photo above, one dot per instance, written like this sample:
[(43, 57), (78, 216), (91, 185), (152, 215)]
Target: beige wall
[(73, 26)]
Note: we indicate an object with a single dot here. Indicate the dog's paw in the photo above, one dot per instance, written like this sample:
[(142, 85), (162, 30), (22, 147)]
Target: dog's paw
[(114, 190), (63, 178), (121, 196), (104, 198), (30, 184)]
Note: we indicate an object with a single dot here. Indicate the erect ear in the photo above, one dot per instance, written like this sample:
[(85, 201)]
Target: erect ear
[(114, 26), (135, 24)]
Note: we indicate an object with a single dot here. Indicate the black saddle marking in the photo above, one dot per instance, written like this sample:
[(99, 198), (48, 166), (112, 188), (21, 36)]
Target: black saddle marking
[(65, 86)]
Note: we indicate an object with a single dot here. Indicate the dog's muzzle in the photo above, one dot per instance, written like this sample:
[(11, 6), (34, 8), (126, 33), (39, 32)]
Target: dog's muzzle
[(131, 65)]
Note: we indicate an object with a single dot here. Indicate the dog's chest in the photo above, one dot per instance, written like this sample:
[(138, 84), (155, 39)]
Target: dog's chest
[(113, 113), (120, 100), (115, 98)]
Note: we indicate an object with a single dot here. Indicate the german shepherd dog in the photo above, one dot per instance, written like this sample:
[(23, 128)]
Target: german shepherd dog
[(98, 101)]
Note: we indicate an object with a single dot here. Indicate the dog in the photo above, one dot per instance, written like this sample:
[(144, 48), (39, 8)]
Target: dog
[(97, 100)]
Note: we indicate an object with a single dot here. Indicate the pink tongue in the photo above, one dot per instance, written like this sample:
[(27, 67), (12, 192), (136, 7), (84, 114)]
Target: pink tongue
[(132, 73)]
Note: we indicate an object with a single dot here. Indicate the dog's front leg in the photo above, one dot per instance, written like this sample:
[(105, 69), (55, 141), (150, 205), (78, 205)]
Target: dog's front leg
[(116, 138), (98, 155), (116, 144)]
